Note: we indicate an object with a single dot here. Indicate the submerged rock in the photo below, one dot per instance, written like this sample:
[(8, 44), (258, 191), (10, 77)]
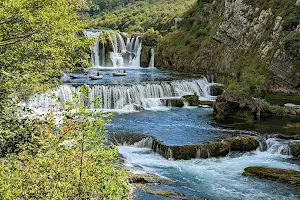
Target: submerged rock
[(148, 178), (280, 175)]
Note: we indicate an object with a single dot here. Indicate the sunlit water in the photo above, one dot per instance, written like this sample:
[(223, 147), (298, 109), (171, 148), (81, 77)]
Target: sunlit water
[(215, 178)]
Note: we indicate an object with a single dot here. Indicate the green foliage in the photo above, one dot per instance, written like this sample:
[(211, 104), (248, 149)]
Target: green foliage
[(142, 15), (76, 163), (37, 40), (19, 135), (292, 46)]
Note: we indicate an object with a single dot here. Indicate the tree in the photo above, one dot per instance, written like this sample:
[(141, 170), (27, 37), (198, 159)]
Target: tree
[(37, 40), (76, 163)]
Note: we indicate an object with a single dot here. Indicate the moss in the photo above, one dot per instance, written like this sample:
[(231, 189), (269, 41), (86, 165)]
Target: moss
[(280, 95), (284, 176), (295, 149), (293, 128), (212, 149), (193, 100)]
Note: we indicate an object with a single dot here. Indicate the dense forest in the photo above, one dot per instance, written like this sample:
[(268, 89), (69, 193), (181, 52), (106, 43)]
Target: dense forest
[(141, 15)]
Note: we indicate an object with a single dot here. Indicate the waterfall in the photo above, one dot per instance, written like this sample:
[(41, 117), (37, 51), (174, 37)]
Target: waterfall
[(136, 61), (151, 63), (122, 54), (144, 143), (118, 97), (170, 154), (95, 54), (278, 146)]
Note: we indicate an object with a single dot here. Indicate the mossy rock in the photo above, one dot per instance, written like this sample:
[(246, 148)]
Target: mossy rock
[(212, 149), (216, 90), (145, 56), (193, 100), (148, 178), (206, 103), (280, 175), (295, 149), (174, 102)]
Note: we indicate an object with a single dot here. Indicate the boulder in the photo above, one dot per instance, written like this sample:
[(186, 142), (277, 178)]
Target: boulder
[(193, 100), (237, 106), (295, 149), (280, 175), (148, 178), (174, 102)]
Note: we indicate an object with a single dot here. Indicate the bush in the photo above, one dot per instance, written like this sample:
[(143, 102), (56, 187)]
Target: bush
[(292, 46), (77, 163)]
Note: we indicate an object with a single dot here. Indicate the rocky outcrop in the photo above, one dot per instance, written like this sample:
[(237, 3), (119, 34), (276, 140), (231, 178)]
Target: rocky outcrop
[(146, 178), (193, 100), (238, 106), (231, 37), (207, 150), (280, 175), (246, 108)]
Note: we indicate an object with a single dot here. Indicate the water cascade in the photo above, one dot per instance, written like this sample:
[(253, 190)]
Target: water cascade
[(151, 63), (129, 97), (95, 53), (115, 52)]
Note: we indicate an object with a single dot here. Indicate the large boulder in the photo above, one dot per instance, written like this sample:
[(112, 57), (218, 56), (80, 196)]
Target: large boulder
[(235, 105), (280, 175)]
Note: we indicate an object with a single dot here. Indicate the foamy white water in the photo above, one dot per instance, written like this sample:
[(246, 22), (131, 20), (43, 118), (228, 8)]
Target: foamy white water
[(217, 178)]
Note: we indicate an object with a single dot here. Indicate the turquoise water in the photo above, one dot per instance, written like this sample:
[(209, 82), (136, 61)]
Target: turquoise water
[(213, 178)]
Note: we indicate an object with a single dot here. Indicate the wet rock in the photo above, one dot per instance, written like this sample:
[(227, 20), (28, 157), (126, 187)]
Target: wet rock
[(295, 149), (288, 137), (148, 178), (206, 103), (145, 56), (174, 102), (212, 149), (280, 175), (193, 100), (246, 108), (235, 105)]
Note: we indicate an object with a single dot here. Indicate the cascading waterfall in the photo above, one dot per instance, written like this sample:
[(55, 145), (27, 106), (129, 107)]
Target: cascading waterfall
[(278, 146), (123, 54), (118, 97), (95, 54), (136, 61), (151, 63)]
